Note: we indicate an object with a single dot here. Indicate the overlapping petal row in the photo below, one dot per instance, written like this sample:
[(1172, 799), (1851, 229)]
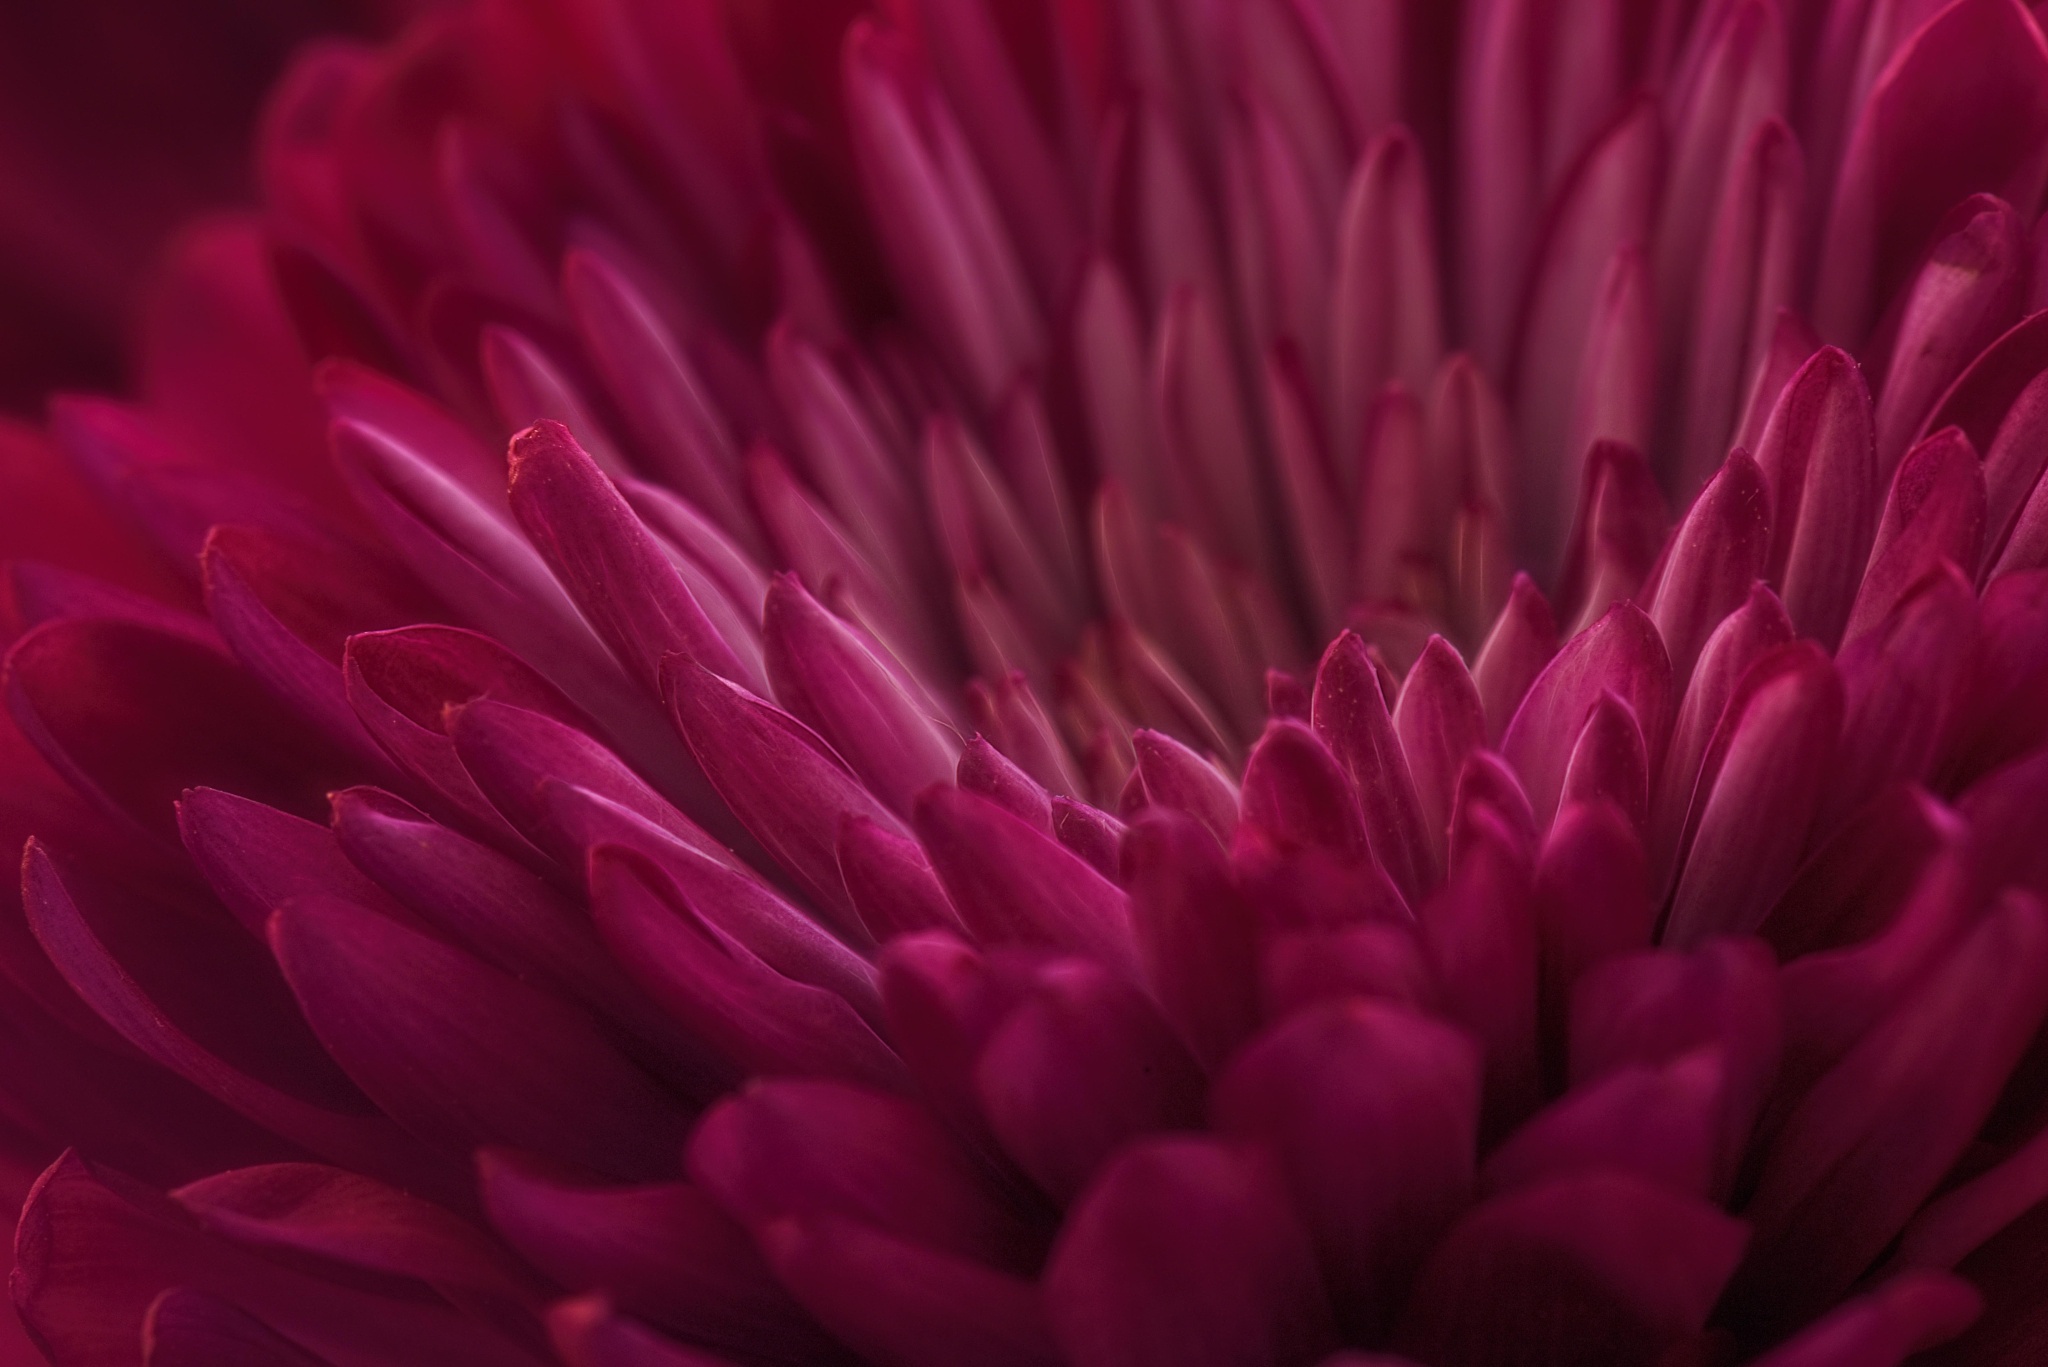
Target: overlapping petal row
[(1076, 733)]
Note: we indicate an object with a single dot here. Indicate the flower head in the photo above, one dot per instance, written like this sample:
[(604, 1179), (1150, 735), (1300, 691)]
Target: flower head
[(1076, 729)]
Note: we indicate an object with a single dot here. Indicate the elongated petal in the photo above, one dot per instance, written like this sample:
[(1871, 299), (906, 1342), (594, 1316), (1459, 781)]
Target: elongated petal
[(1013, 885), (1661, 1124), (1185, 1253), (1622, 653), (1517, 648), (721, 989), (1818, 453), (1885, 1327), (1081, 1066), (257, 858), (891, 883), (1374, 1112), (1713, 557), (1439, 720), (1602, 1263), (1195, 933), (663, 1252), (419, 1024), (1760, 788), (1860, 1154), (607, 562)]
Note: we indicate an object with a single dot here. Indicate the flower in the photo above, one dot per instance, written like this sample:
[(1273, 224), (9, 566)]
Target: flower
[(1074, 732)]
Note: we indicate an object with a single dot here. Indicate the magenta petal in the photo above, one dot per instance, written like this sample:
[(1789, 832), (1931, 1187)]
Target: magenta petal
[(1744, 635), (1661, 1124), (1381, 961), (588, 1333), (1185, 1253), (342, 1217), (1178, 778), (1712, 559), (400, 681), (1854, 882), (1972, 78), (420, 1026), (73, 688), (1080, 1066), (1760, 788), (1592, 896), (1622, 653), (680, 431), (1655, 1007), (1935, 512), (1884, 1327), (905, 1305), (808, 1150), (1905, 686), (1818, 453), (1090, 832), (1195, 933), (1601, 1264), (234, 1044), (512, 751), (1350, 713), (1970, 289), (257, 858), (1608, 762), (986, 772), (719, 987), (608, 563), (95, 1250), (891, 883), (785, 784), (187, 1328), (1374, 1113), (1439, 721), (1520, 644), (1297, 794), (1873, 1138), (664, 1253), (1479, 930), (1014, 885), (840, 684)]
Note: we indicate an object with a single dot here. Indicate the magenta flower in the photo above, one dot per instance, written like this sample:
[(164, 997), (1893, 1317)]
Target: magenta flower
[(1075, 733)]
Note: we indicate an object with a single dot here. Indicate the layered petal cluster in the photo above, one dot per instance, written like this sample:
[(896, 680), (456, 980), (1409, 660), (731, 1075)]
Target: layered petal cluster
[(1014, 684)]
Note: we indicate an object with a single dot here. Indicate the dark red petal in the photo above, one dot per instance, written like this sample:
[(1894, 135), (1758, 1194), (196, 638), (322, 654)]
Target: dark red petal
[(187, 1328), (257, 858)]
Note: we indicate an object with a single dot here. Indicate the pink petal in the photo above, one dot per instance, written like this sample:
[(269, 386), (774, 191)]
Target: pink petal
[(1744, 635), (1438, 721), (419, 1023), (1387, 306), (1884, 1327), (1710, 562), (1818, 453), (984, 772), (1195, 934), (1621, 653), (1602, 1263), (1479, 930), (1178, 778), (1608, 763), (890, 883), (1080, 1066), (1973, 79), (187, 1328), (721, 989), (1374, 1113), (810, 1150), (1090, 832), (257, 858), (1518, 647), (1012, 885), (1853, 883), (1935, 512), (1592, 903), (606, 560), (1185, 1254), (1970, 290), (1760, 789), (1661, 1124), (1351, 716), (1873, 1139), (664, 1253), (905, 1305), (587, 1333)]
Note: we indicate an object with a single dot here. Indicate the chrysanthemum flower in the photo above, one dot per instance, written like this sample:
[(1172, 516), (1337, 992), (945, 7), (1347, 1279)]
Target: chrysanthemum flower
[(1075, 730)]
